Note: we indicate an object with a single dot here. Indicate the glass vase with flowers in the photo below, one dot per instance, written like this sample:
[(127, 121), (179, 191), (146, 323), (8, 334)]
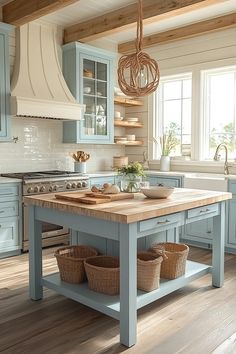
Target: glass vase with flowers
[(131, 176)]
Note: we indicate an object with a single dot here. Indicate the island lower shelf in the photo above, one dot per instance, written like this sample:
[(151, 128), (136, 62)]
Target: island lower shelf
[(110, 305)]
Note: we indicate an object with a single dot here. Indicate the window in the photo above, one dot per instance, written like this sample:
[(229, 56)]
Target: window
[(173, 113), (219, 110)]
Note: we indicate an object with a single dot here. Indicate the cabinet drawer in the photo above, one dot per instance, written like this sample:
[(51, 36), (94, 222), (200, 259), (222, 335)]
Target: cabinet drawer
[(9, 209), (159, 222), (171, 182), (7, 190), (204, 210), (9, 236)]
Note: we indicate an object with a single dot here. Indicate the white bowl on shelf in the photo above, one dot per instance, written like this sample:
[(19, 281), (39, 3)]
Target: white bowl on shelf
[(157, 192)]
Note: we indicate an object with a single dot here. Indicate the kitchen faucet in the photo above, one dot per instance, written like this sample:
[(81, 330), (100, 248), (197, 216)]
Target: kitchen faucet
[(217, 157)]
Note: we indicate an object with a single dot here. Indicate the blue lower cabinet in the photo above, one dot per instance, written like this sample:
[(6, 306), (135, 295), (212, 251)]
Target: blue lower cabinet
[(231, 234), (175, 181), (10, 219)]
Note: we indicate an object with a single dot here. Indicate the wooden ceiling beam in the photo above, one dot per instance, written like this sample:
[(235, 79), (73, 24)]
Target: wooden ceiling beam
[(215, 24), (19, 12), (126, 17)]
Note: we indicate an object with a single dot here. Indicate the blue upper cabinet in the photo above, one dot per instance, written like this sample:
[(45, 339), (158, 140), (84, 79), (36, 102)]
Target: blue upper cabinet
[(4, 81), (89, 73)]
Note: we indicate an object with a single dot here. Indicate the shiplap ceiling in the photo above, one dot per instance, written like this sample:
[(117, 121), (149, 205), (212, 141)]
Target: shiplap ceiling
[(88, 9)]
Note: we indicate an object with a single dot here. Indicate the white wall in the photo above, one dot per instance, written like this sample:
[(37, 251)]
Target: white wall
[(40, 144)]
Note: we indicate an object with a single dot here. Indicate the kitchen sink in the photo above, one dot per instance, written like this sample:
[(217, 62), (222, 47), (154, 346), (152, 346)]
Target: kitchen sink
[(206, 181), (206, 175)]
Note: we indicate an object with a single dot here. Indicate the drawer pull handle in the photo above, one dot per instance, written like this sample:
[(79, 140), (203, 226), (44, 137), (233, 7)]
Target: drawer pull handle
[(2, 211), (163, 222), (204, 211)]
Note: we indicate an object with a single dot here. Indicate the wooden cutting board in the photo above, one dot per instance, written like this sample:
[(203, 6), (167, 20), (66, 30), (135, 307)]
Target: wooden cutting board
[(93, 198), (111, 197)]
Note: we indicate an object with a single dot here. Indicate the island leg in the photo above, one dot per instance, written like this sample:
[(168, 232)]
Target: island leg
[(218, 248), (128, 284), (35, 256)]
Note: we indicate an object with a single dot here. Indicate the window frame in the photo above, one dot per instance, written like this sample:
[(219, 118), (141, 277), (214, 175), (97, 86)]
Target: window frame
[(197, 140), (158, 109), (205, 103)]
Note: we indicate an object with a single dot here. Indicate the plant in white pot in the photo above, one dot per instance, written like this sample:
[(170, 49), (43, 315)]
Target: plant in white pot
[(168, 143)]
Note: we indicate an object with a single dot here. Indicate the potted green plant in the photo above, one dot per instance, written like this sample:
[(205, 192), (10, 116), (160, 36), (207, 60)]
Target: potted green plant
[(168, 143), (131, 176)]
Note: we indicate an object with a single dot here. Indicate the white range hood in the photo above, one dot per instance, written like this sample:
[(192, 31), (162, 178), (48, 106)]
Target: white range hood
[(38, 88)]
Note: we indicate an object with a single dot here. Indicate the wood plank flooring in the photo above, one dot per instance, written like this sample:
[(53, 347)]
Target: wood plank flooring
[(197, 319)]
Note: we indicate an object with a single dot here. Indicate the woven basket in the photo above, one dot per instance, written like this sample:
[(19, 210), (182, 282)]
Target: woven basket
[(103, 274), (70, 261), (148, 271), (174, 265)]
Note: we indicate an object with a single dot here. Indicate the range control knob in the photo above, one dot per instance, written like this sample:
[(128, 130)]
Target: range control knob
[(79, 185), (50, 189), (55, 188), (42, 189), (30, 190), (84, 184), (36, 189), (68, 186), (73, 185)]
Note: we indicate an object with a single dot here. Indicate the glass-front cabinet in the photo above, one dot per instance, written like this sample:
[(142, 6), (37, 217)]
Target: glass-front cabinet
[(89, 74), (4, 81)]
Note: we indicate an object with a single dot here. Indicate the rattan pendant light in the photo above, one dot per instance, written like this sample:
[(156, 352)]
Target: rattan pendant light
[(138, 74)]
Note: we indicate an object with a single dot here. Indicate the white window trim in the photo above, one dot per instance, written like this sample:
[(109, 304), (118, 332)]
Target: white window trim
[(158, 127)]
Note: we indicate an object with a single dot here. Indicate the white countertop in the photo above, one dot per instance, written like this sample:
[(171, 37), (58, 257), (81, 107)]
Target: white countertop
[(188, 174), (9, 180)]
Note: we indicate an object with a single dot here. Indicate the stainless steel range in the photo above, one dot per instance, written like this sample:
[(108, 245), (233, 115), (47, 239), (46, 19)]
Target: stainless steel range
[(48, 182)]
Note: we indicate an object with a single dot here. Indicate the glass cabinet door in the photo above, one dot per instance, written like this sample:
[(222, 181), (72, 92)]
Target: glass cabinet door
[(89, 73), (94, 96)]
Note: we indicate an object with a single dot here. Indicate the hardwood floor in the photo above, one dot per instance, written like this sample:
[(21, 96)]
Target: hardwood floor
[(196, 319)]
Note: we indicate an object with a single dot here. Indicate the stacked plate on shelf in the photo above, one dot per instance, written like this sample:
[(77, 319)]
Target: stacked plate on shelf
[(132, 120), (120, 139)]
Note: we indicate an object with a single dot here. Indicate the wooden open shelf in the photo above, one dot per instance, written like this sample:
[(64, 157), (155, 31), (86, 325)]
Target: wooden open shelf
[(126, 124), (127, 101), (128, 143)]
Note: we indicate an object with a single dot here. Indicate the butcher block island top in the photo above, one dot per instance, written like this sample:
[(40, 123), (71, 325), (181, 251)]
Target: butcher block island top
[(133, 210)]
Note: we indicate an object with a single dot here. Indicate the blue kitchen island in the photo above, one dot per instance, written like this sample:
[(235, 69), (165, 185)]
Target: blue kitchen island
[(127, 222)]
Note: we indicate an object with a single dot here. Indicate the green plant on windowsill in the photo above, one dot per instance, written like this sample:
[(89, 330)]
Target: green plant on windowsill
[(131, 176), (168, 143)]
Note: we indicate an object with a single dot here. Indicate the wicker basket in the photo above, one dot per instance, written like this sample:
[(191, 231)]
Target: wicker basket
[(70, 261), (103, 274), (148, 271), (174, 265)]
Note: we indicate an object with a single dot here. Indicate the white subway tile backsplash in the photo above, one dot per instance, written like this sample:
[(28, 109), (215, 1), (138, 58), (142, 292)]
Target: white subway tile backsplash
[(40, 147)]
